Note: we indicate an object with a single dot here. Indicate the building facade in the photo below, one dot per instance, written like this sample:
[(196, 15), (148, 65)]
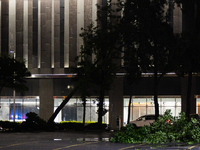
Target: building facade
[(46, 34)]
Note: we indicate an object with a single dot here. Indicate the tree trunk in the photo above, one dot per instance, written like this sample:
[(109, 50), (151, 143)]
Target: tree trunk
[(101, 100), (84, 110), (189, 93), (156, 94), (51, 119), (129, 105)]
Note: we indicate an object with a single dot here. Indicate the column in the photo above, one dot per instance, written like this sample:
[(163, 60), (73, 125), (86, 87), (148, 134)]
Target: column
[(46, 98), (116, 102)]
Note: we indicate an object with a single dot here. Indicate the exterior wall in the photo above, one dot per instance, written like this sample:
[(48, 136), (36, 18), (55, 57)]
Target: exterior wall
[(47, 88), (47, 32), (167, 86), (19, 28), (4, 27), (30, 35)]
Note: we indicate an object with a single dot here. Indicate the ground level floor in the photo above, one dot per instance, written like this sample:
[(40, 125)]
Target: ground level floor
[(73, 111), (46, 94)]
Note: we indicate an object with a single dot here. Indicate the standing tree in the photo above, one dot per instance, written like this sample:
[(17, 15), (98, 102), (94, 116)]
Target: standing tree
[(133, 72), (12, 74), (84, 77), (131, 51), (101, 42), (152, 39), (188, 61)]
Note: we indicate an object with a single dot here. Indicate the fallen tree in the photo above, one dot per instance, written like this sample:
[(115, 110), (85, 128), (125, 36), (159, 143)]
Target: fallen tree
[(65, 101)]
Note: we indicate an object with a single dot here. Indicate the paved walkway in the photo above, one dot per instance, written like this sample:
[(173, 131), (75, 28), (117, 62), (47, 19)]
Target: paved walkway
[(89, 140)]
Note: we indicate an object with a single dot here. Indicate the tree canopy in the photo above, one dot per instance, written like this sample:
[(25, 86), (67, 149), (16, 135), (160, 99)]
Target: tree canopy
[(12, 74), (148, 37), (100, 46), (187, 62)]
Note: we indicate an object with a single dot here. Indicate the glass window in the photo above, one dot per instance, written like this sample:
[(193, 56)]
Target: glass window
[(22, 105), (126, 101), (74, 110), (168, 102), (139, 102), (57, 102), (145, 106), (198, 106)]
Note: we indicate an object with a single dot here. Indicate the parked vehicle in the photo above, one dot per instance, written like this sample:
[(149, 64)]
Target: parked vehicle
[(143, 120)]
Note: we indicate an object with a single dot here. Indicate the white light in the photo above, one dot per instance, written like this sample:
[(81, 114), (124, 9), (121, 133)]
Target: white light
[(57, 139)]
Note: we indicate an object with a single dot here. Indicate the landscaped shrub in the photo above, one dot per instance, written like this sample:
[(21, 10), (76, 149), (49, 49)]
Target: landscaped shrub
[(34, 122), (9, 126), (95, 126), (74, 121), (166, 129), (78, 125)]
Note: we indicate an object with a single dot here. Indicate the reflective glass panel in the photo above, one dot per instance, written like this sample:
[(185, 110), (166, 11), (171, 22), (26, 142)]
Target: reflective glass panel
[(20, 107), (145, 106)]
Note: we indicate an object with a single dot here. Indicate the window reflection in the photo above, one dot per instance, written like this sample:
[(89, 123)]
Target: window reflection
[(74, 110), (23, 105), (198, 106), (143, 106)]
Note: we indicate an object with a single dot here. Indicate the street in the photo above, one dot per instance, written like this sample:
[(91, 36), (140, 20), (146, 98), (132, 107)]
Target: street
[(75, 141)]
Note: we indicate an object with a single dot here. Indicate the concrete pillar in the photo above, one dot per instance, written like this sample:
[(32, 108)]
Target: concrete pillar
[(116, 103), (30, 34), (19, 28), (46, 98), (45, 16), (72, 31)]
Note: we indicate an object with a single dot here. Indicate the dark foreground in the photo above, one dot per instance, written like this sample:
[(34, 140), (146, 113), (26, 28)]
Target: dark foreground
[(89, 140)]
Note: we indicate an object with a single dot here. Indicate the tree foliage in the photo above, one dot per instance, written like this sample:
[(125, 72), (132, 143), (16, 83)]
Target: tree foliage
[(100, 44), (96, 63), (187, 61), (12, 73), (166, 129), (148, 40)]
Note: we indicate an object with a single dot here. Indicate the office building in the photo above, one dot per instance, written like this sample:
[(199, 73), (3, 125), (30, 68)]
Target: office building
[(46, 34)]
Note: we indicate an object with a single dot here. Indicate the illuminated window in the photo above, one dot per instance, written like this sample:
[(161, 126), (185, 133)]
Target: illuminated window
[(144, 106), (74, 110), (23, 105)]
